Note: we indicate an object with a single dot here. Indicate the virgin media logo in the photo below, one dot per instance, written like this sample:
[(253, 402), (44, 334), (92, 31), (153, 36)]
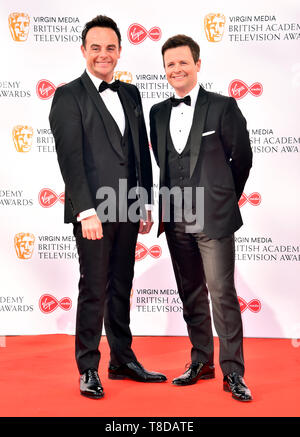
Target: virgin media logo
[(48, 198), (254, 199), (45, 89), (254, 305), (49, 303), (238, 89), (141, 251), (137, 33)]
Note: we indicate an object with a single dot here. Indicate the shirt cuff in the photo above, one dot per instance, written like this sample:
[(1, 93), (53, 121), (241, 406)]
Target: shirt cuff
[(149, 207), (85, 214)]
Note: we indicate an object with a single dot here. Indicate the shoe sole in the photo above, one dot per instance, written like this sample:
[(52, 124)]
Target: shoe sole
[(206, 376), (121, 377), (227, 389), (91, 396)]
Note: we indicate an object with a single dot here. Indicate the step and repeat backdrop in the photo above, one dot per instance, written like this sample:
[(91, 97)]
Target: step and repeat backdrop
[(250, 51)]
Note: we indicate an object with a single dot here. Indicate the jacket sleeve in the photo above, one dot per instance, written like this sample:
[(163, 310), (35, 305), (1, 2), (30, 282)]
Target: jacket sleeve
[(235, 137), (66, 126)]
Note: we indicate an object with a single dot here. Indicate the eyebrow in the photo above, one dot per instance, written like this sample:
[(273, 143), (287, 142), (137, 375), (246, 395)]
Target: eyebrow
[(99, 45), (172, 62)]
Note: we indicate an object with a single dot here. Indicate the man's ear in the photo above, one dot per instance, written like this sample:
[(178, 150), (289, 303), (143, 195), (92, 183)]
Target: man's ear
[(83, 51)]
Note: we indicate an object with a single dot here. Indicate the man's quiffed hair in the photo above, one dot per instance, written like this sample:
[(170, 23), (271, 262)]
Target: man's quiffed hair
[(182, 40), (100, 21)]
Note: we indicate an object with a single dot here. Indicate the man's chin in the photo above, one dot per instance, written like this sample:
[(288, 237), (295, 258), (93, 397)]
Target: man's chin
[(104, 75), (179, 88)]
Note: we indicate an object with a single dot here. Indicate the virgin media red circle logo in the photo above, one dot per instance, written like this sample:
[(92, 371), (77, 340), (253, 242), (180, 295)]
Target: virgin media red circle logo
[(49, 303), (45, 89), (137, 33), (48, 197), (254, 199), (238, 89), (253, 305), (141, 251)]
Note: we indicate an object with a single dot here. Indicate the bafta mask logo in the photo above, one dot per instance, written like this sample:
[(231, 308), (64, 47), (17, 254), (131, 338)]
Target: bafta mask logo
[(24, 244), (214, 25), (19, 26), (22, 136), (123, 76)]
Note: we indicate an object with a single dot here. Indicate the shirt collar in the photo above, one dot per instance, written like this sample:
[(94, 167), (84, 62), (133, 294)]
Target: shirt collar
[(193, 94), (96, 81)]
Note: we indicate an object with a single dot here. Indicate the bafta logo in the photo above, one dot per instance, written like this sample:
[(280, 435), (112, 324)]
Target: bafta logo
[(214, 25), (24, 244), (123, 76), (19, 25), (22, 136)]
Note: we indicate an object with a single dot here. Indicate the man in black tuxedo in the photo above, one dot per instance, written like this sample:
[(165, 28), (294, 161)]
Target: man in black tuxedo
[(103, 153), (200, 139)]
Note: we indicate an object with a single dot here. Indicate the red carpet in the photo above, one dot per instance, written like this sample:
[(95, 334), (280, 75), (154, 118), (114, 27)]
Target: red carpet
[(39, 378)]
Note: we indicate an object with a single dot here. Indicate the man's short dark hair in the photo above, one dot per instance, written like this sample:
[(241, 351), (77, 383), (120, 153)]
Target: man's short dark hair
[(100, 21), (179, 41)]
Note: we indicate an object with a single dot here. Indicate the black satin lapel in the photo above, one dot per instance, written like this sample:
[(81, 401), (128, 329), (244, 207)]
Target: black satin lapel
[(130, 108), (162, 121), (197, 128), (107, 119)]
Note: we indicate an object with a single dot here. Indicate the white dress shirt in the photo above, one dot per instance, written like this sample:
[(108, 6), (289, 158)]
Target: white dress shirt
[(111, 101), (181, 120)]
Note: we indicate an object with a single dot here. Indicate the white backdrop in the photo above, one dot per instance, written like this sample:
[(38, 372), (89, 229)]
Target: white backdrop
[(258, 48)]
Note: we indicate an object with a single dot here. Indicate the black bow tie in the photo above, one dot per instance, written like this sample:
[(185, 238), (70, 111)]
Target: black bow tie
[(176, 102), (112, 86)]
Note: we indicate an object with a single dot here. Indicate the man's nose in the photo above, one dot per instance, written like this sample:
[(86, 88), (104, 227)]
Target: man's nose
[(102, 53)]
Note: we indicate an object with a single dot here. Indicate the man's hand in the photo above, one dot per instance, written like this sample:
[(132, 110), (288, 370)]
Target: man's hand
[(92, 228), (145, 226)]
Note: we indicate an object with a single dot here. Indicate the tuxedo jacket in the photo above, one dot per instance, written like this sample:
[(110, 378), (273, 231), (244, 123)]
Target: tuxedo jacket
[(220, 158), (84, 130)]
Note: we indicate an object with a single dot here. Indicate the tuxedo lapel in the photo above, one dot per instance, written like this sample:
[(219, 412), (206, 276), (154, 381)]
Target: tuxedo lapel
[(197, 127), (108, 121), (132, 111), (162, 120)]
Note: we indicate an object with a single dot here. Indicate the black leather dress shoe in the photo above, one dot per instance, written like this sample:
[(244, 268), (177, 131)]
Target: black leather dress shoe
[(235, 384), (90, 384), (195, 372), (134, 371)]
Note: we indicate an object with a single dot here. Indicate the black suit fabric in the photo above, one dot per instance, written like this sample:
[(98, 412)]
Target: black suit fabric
[(88, 145), (220, 162), (93, 154)]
